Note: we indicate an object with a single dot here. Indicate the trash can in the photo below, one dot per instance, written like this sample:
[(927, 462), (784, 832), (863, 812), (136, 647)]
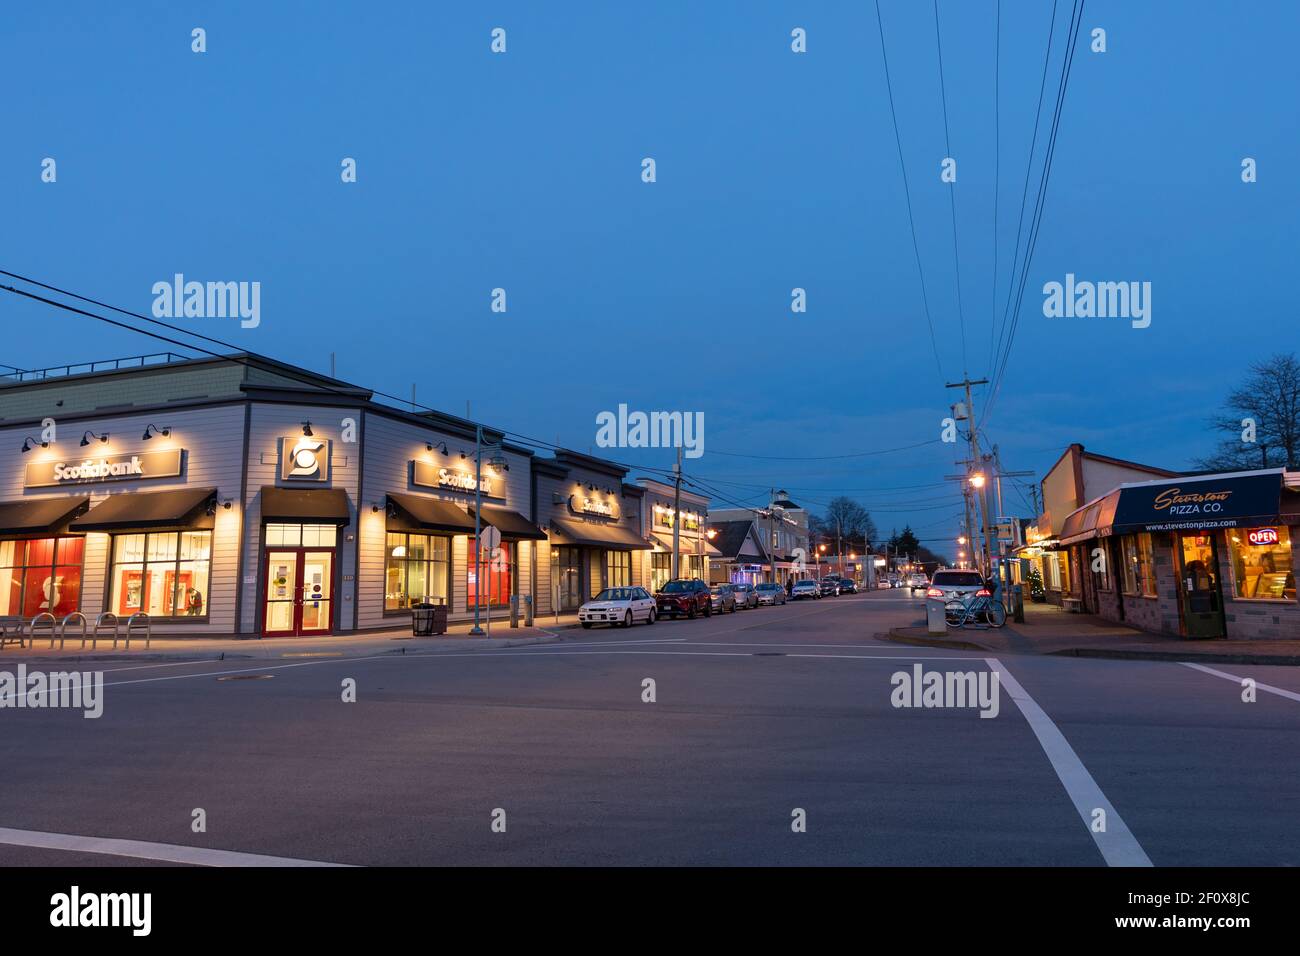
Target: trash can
[(422, 620), (936, 621), (428, 620)]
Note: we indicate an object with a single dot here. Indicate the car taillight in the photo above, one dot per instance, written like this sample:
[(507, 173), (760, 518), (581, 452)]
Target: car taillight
[(934, 593)]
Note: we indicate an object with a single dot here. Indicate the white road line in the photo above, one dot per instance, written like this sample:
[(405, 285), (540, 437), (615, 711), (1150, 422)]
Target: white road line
[(163, 852), (1281, 692), (1118, 845)]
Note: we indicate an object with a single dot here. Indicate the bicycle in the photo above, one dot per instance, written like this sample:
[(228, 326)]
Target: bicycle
[(980, 611)]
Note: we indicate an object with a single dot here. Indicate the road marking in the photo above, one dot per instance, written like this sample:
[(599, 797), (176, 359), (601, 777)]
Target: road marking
[(1118, 845), (163, 852), (1281, 692)]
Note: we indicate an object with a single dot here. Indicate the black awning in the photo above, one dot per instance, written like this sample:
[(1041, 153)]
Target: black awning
[(429, 514), (183, 508), (319, 505), (511, 524), (1092, 520), (40, 515), (1236, 500), (593, 535)]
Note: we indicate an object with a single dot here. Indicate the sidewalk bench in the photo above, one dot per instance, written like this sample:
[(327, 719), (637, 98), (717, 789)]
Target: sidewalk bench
[(1072, 605), (12, 631)]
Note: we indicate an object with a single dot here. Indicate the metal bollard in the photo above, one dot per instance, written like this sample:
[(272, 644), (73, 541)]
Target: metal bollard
[(514, 610), (936, 621), (528, 610), (1018, 603)]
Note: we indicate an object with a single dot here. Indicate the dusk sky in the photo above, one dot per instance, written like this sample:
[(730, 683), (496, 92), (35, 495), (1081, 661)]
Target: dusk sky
[(775, 170)]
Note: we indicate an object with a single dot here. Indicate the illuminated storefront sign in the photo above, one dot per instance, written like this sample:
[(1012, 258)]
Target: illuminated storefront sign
[(1263, 536), (304, 458), (595, 507), (427, 475), (151, 464), (664, 517)]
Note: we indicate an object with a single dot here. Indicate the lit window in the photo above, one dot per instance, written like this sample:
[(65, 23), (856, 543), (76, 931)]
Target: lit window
[(1262, 563), (497, 568), (1139, 566), (161, 574), (417, 570), (40, 576)]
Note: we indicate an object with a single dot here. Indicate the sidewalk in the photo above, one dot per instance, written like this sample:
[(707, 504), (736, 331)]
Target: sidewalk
[(396, 641), (1050, 630)]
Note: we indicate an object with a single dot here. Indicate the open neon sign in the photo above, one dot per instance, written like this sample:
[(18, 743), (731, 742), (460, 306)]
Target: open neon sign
[(1263, 536)]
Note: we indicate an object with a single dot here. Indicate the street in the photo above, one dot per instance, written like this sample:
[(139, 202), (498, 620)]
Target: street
[(756, 714)]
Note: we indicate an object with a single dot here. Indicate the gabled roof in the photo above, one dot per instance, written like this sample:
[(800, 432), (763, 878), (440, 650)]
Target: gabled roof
[(731, 536)]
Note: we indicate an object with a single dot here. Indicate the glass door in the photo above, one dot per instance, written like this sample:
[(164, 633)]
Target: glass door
[(1198, 589), (570, 584), (281, 593), (316, 594), (299, 592)]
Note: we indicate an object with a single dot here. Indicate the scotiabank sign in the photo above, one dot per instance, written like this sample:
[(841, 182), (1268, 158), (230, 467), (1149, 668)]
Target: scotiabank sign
[(427, 475), (150, 464)]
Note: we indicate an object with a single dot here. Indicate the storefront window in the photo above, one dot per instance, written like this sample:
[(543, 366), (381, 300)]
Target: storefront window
[(618, 569), (417, 570), (497, 568), (301, 535), (661, 570), (1053, 565), (163, 574), (1139, 567), (1262, 563), (1099, 558), (42, 575)]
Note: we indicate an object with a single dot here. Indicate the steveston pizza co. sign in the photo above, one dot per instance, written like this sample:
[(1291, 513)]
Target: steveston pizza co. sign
[(152, 464)]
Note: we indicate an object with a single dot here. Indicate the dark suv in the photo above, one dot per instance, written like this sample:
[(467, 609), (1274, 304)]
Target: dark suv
[(682, 596)]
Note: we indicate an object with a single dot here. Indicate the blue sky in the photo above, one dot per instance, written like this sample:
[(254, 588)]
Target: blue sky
[(775, 170)]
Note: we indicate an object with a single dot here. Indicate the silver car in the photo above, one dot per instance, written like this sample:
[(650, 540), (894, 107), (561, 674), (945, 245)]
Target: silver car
[(723, 597), (769, 594), (746, 596), (953, 585)]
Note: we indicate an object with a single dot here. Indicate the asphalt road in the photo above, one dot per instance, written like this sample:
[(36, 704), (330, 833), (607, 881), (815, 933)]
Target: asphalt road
[(756, 714)]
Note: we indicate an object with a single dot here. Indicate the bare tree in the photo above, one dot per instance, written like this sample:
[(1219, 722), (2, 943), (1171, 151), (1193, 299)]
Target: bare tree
[(847, 518), (1265, 407)]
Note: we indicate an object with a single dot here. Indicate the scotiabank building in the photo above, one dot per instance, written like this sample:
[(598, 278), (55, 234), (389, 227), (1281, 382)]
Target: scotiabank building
[(239, 496)]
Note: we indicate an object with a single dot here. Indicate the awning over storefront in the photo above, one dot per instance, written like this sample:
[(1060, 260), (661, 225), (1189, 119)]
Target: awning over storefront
[(430, 514), (597, 535), (689, 545), (1087, 522), (511, 524), (318, 505), (40, 515), (1234, 500), (182, 508)]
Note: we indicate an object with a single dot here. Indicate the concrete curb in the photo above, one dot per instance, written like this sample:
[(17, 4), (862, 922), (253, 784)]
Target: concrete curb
[(899, 638), (316, 651)]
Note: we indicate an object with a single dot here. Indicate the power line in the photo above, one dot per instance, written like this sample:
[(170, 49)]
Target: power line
[(907, 192), (1024, 194), (1041, 200), (997, 169), (952, 189), (858, 454)]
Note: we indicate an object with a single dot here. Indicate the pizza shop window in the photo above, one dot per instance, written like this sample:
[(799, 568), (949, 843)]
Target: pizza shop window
[(1139, 565), (163, 574), (1262, 563), (40, 576)]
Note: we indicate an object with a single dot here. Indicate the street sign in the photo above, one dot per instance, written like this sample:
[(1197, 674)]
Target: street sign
[(490, 539)]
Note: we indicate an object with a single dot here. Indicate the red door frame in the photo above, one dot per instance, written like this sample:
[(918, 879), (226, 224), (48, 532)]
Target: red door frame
[(300, 564)]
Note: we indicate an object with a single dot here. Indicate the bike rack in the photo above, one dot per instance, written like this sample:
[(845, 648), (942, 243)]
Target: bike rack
[(38, 620), (100, 623), (143, 618), (63, 629)]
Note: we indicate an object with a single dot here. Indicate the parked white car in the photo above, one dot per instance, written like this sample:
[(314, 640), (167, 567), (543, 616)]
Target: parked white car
[(806, 588), (953, 585), (618, 606)]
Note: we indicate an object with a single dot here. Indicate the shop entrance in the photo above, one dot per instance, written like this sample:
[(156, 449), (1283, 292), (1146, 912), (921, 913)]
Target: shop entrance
[(1198, 586), (569, 578), (299, 592)]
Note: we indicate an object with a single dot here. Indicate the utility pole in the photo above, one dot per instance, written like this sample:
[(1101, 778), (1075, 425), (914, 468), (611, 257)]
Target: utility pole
[(677, 512), (973, 437)]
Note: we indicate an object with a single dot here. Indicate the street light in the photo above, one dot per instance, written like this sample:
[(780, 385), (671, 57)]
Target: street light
[(977, 480)]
